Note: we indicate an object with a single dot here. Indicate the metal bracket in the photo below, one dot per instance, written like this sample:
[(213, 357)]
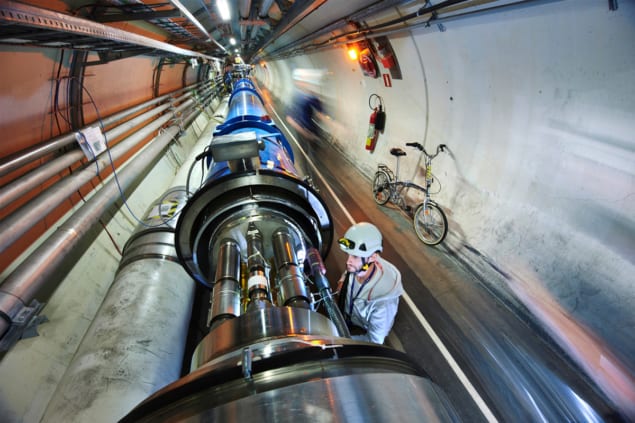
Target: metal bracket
[(24, 325)]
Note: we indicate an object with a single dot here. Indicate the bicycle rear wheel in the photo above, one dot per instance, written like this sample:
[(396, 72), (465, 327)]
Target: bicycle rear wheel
[(381, 187), (430, 224)]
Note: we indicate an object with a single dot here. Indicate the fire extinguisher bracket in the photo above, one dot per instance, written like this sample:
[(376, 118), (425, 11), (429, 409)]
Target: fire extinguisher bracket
[(376, 123)]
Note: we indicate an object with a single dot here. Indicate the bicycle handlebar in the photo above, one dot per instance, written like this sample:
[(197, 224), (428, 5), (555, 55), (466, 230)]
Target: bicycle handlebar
[(418, 146)]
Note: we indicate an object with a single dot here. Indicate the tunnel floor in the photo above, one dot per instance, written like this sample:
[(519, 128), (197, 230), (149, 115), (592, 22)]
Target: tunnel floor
[(508, 370)]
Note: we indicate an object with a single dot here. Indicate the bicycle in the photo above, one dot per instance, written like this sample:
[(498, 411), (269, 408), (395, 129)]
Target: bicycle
[(429, 221)]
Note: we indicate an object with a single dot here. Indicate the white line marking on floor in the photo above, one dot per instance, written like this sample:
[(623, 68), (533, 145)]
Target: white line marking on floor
[(480, 403)]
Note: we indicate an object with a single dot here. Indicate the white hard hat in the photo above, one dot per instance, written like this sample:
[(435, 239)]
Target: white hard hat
[(362, 240)]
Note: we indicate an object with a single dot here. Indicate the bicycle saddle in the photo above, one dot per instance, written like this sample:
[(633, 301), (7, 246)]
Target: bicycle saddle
[(397, 152)]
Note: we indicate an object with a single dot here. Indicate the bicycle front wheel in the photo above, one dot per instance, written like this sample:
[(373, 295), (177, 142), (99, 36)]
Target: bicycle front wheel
[(381, 187), (430, 224)]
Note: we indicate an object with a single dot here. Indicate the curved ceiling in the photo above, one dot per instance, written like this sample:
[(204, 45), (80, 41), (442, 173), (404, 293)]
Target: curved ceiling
[(255, 29)]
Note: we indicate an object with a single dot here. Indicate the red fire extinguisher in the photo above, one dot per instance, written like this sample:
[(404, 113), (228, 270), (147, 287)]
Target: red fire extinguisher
[(376, 124)]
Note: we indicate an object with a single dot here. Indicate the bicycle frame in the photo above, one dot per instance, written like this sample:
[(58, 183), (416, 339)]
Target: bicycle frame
[(429, 220)]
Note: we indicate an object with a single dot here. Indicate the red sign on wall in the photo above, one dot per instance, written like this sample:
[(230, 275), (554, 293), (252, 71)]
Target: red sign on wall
[(387, 81)]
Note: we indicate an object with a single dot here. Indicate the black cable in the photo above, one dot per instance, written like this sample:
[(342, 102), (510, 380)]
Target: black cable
[(114, 170)]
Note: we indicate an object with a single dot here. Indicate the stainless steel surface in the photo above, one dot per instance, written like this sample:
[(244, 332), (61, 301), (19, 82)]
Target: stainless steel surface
[(120, 361), (353, 398), (259, 327), (290, 282), (21, 286), (226, 208), (226, 290)]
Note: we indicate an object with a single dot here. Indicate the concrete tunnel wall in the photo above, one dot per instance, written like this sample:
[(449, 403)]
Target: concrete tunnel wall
[(538, 110), (537, 107)]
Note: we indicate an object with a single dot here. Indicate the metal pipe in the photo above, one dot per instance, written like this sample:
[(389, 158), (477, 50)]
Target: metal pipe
[(21, 286), (151, 298), (226, 292), (264, 8), (31, 180), (244, 7), (21, 220), (290, 281), (139, 330), (19, 159)]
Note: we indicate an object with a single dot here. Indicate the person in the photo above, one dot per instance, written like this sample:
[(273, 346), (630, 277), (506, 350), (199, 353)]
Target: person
[(306, 108), (370, 287)]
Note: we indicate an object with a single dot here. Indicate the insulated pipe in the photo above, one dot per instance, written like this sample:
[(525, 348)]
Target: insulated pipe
[(136, 341), (291, 287), (20, 221), (19, 159), (244, 8), (29, 181), (158, 296), (26, 183), (21, 286), (226, 292)]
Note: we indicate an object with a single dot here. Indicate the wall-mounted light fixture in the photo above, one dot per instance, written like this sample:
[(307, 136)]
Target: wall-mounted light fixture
[(223, 9), (353, 51)]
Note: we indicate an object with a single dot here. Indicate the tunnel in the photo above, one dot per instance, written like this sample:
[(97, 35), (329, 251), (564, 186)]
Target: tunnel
[(171, 213)]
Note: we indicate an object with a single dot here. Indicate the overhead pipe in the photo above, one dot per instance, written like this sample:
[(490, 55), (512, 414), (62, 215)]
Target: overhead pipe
[(372, 32), (21, 220), (24, 282), (21, 158), (25, 183), (298, 11), (264, 8), (244, 12), (263, 13)]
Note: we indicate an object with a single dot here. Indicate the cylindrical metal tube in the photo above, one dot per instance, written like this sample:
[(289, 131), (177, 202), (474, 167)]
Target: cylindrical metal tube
[(20, 287), (292, 290), (16, 224), (283, 248), (226, 292), (150, 286), (24, 184), (15, 161), (257, 282)]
